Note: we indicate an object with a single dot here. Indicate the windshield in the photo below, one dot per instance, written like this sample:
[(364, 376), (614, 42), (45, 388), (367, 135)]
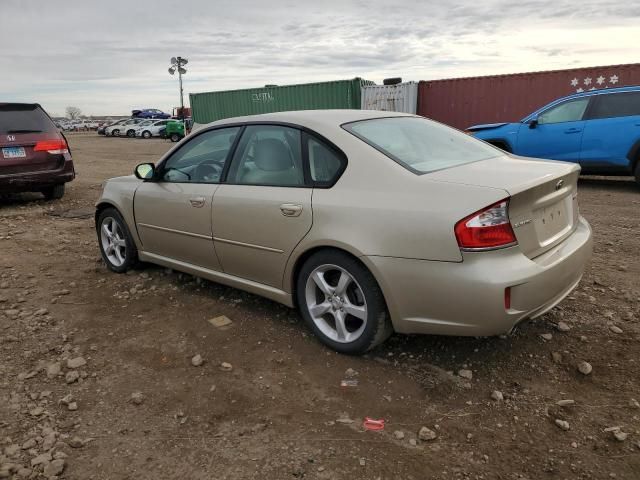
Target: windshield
[(24, 118), (419, 144)]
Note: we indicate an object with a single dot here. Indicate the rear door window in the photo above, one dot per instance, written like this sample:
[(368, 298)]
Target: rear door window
[(24, 118), (611, 105)]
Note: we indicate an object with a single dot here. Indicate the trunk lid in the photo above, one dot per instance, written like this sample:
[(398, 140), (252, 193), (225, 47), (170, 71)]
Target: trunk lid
[(543, 208)]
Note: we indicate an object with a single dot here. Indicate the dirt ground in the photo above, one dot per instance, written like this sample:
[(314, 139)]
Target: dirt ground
[(280, 411)]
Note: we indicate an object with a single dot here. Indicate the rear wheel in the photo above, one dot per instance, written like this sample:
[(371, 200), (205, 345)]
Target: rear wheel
[(117, 247), (146, 134), (637, 172), (342, 303), (55, 192), (131, 133), (115, 133), (175, 137)]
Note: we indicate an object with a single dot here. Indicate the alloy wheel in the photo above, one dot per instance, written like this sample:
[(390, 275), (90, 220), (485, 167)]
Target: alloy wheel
[(113, 242), (336, 303)]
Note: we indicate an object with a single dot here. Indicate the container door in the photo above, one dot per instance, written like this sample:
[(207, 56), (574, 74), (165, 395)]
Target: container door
[(264, 209), (558, 133)]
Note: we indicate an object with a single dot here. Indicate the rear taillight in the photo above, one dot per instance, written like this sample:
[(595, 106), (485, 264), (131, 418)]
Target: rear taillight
[(487, 228), (54, 147)]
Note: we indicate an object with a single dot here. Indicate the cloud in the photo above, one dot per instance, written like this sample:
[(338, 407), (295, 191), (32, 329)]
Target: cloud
[(110, 58)]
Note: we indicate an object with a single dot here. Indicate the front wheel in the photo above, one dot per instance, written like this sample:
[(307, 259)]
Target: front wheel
[(131, 133), (115, 133), (117, 247), (175, 137), (637, 172), (146, 134), (342, 303)]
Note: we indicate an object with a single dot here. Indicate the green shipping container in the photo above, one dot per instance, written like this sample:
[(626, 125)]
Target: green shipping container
[(211, 106)]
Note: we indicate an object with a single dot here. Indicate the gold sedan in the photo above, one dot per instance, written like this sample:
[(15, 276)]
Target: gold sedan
[(368, 222)]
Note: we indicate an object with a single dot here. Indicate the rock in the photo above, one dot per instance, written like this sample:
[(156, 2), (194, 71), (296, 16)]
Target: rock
[(350, 373), (563, 424), (425, 434), (222, 322), (344, 419), (633, 403), (67, 399), (398, 434), (562, 327), (412, 442), (53, 369), (24, 472), (75, 442), (468, 374), (546, 336), (197, 360), (585, 368), (29, 444), (497, 396), (565, 403), (137, 398), (557, 357), (40, 459), (72, 407), (49, 441), (76, 362), (72, 376), (615, 329), (36, 412), (227, 367), (620, 435), (56, 467), (11, 450)]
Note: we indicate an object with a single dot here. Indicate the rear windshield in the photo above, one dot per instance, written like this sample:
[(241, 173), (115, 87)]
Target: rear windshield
[(419, 144), (15, 118)]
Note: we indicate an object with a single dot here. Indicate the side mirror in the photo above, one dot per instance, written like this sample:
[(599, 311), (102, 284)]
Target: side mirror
[(533, 123), (145, 171)]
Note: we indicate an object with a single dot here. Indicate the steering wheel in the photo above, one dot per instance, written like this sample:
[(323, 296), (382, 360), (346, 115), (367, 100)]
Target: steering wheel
[(207, 172)]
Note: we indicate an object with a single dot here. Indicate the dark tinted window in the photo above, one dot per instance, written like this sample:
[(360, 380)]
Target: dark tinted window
[(616, 105), (17, 118)]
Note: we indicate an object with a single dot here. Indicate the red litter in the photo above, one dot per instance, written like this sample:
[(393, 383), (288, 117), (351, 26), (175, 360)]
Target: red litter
[(373, 424)]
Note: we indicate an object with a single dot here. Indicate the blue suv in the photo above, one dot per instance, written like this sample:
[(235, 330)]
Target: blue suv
[(599, 129)]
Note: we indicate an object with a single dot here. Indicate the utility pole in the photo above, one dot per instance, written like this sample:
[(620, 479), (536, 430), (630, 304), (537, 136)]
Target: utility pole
[(178, 63)]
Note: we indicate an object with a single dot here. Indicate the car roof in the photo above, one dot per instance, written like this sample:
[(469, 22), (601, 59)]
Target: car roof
[(601, 91), (312, 118)]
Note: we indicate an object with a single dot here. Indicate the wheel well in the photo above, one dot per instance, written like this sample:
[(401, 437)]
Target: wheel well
[(101, 208), (634, 155), (305, 256), (503, 145)]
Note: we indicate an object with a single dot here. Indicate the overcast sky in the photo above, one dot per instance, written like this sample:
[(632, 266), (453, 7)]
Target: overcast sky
[(108, 57)]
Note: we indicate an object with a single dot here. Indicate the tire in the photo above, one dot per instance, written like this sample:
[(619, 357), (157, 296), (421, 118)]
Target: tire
[(146, 134), (360, 295), (54, 193), (114, 239), (115, 133), (131, 133), (637, 172), (175, 137)]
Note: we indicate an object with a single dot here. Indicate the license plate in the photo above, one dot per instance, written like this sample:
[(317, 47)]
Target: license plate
[(14, 152)]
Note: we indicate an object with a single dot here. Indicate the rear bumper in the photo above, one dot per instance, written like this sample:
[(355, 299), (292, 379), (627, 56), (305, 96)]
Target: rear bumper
[(35, 181), (467, 298)]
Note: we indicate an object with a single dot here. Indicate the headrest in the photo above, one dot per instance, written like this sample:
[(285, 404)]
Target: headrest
[(272, 155)]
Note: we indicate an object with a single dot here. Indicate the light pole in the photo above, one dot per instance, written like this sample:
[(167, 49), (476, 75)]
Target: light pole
[(178, 63)]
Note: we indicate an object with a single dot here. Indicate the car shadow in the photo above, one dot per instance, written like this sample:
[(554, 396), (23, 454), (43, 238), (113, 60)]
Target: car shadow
[(622, 184), (20, 199)]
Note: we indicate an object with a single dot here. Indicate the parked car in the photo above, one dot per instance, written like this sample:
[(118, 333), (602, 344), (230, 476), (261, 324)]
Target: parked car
[(34, 155), (174, 131), (102, 129), (599, 129), (414, 226), (149, 113), (151, 128), (127, 127)]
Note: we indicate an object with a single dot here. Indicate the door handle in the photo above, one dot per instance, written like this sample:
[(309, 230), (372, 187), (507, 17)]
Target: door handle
[(291, 209), (573, 130), (197, 202)]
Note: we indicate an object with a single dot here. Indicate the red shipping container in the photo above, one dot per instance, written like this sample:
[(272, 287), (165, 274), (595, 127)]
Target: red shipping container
[(463, 102)]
